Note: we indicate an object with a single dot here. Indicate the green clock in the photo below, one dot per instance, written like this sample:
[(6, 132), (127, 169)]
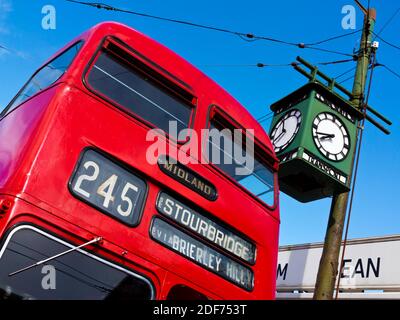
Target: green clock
[(313, 132)]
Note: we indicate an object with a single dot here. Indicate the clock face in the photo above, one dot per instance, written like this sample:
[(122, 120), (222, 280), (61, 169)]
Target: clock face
[(285, 130), (331, 136)]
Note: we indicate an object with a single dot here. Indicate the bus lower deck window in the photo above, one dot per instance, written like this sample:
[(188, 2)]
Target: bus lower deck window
[(73, 276)]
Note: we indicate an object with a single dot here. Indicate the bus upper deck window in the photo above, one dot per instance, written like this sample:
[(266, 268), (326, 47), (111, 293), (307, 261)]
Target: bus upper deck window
[(120, 77), (244, 166), (45, 76)]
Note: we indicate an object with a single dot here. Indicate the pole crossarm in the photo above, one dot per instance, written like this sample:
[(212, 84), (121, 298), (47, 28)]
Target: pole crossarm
[(314, 72), (355, 96)]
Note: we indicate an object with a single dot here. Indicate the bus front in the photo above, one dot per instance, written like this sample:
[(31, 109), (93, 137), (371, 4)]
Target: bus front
[(126, 173)]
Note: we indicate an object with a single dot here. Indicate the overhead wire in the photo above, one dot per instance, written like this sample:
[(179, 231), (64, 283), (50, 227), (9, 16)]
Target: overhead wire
[(344, 73), (351, 77), (263, 65), (265, 117), (242, 35), (331, 51), (347, 79), (257, 65), (387, 42), (270, 114), (391, 71), (335, 62), (388, 21), (333, 38), (377, 64), (188, 23)]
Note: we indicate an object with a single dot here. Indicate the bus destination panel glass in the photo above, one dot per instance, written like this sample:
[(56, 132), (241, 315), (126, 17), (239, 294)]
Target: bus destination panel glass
[(201, 254), (205, 227)]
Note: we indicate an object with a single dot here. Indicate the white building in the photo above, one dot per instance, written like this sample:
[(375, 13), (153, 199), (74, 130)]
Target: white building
[(371, 269)]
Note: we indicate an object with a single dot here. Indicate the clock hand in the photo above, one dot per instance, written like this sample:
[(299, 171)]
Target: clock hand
[(282, 133), (280, 136), (326, 135)]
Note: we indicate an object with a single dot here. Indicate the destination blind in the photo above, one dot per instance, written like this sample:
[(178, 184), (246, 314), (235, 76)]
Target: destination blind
[(205, 227), (187, 177), (203, 255)]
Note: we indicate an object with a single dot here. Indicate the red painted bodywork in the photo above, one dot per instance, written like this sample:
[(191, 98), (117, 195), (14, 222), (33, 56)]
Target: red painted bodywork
[(40, 143)]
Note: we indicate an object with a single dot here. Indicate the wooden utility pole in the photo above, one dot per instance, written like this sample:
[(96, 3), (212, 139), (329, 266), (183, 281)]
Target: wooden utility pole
[(328, 267)]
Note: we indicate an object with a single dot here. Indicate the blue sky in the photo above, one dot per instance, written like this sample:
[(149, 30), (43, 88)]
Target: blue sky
[(375, 211)]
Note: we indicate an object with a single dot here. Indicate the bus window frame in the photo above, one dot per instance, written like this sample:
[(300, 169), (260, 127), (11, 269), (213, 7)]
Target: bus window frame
[(213, 111), (135, 54), (55, 83), (62, 240)]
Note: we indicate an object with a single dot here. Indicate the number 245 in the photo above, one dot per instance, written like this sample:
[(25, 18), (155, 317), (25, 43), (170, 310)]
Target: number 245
[(106, 188)]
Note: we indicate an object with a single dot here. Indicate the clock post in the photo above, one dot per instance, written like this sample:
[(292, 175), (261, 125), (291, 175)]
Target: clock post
[(328, 268)]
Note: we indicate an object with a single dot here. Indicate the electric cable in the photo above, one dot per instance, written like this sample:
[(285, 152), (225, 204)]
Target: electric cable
[(387, 42), (388, 21), (263, 65), (266, 117), (333, 38), (347, 79), (331, 51), (242, 35), (391, 71), (344, 73)]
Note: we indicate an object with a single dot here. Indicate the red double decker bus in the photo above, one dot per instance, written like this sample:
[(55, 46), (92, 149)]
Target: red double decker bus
[(85, 213)]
